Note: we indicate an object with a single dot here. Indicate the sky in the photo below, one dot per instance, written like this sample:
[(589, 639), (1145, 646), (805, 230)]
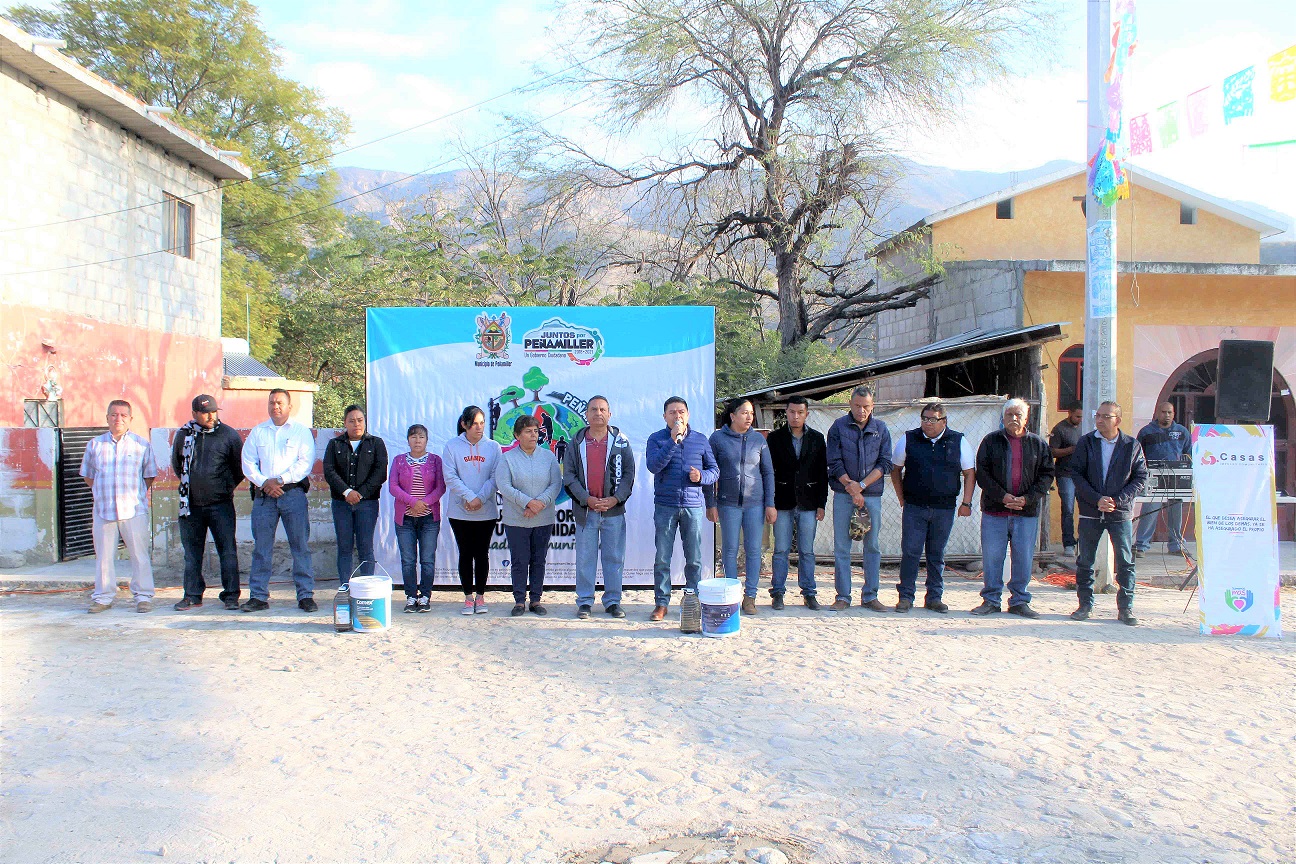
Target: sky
[(392, 64)]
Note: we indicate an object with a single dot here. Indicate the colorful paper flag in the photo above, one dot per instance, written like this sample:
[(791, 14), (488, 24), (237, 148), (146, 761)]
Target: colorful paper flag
[(1198, 122), (1239, 100), (1140, 133), (1282, 75), (1168, 124)]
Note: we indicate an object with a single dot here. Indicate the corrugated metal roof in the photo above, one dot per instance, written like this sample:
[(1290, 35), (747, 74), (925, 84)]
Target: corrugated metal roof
[(980, 342), (242, 365)]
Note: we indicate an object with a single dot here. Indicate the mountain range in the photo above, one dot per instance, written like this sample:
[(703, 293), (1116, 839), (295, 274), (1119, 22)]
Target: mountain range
[(924, 189)]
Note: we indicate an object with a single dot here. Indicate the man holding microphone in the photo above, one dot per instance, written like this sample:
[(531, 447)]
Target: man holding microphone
[(682, 462)]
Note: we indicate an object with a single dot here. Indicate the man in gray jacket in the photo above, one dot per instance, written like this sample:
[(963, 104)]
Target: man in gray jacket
[(599, 473)]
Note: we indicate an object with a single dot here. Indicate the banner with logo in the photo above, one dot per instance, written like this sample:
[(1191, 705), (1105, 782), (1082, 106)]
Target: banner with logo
[(426, 365), (1237, 534)]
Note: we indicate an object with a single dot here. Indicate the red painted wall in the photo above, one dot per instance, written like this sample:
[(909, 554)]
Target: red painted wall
[(158, 373)]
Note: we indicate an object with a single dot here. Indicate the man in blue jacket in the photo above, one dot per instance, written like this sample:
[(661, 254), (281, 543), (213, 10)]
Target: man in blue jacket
[(682, 463), (1165, 440), (859, 457), (1109, 472)]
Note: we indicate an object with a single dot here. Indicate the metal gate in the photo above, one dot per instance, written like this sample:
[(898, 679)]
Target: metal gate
[(75, 504)]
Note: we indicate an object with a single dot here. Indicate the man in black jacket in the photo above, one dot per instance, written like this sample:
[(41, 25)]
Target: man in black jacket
[(800, 457), (355, 466), (1014, 469), (1109, 471), (207, 457)]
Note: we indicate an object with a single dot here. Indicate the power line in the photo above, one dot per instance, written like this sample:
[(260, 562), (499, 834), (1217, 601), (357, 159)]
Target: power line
[(223, 235), (333, 155)]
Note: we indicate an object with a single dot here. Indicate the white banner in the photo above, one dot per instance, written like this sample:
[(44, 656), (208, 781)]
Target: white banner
[(1237, 534), (425, 365)]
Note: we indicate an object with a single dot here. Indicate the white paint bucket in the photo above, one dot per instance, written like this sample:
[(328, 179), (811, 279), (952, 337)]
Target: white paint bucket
[(370, 603), (721, 601)]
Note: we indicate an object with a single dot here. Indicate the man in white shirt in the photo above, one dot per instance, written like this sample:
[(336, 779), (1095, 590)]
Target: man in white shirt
[(277, 461), (933, 467), (119, 468)]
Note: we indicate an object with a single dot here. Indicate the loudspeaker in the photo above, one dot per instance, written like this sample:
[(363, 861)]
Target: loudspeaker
[(1245, 380)]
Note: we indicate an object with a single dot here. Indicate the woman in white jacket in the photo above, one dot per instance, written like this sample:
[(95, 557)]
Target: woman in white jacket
[(469, 462), (529, 481)]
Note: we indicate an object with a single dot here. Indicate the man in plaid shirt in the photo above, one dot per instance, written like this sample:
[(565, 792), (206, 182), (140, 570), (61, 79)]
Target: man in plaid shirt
[(119, 468)]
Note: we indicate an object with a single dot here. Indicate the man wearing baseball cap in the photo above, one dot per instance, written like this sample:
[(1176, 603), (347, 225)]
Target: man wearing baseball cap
[(207, 457)]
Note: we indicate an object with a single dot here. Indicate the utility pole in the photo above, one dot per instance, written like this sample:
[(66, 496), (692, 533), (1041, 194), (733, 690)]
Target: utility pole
[(1100, 257)]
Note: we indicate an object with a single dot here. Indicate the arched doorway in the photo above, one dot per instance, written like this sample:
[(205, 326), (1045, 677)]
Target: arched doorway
[(1192, 390)]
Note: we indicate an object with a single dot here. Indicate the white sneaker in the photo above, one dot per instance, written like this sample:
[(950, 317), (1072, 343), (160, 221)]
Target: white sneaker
[(469, 607), (480, 605), (424, 604), (411, 605)]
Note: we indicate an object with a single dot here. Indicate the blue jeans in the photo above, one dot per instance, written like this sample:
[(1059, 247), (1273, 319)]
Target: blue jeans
[(528, 547), (416, 537), (605, 535), (220, 520), (843, 509), (751, 522), (1122, 536), (996, 533), (354, 526), (1066, 502), (923, 529), (805, 524), (665, 522), (266, 514), (1174, 524)]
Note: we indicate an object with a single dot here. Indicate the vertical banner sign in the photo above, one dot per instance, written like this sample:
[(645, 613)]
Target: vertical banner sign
[(1100, 281), (426, 365), (1237, 535)]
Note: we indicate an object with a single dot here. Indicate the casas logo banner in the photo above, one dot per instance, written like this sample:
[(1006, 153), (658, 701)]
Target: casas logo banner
[(1239, 599), (556, 339)]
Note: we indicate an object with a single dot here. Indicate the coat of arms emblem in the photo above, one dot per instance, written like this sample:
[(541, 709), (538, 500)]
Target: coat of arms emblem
[(493, 336)]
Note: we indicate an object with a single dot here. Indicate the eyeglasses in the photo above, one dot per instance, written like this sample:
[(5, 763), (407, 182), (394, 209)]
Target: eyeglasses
[(929, 419), (1108, 416)]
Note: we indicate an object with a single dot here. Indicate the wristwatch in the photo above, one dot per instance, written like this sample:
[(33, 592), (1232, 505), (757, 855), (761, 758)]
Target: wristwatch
[(967, 504)]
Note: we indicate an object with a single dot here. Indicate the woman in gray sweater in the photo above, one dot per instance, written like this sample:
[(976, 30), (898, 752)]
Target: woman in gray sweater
[(529, 481)]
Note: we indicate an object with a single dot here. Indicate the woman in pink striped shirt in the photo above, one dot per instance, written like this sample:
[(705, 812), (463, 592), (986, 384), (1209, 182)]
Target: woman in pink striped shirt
[(417, 483)]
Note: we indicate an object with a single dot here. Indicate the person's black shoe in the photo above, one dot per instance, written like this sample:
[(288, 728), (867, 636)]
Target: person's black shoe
[(935, 606), (518, 609), (1125, 616), (254, 605), (539, 609), (583, 613), (776, 601), (986, 608), (616, 611), (904, 605), (308, 605), (1082, 612), (811, 602), (186, 603), (232, 605), (1024, 610)]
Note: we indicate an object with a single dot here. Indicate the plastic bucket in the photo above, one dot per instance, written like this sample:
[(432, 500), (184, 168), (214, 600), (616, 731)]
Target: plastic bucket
[(370, 603), (721, 600)]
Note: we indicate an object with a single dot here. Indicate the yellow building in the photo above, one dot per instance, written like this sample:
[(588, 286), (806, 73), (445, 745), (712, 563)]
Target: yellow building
[(1189, 276)]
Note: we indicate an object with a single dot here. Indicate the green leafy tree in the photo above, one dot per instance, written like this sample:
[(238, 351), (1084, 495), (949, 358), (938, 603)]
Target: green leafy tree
[(211, 61), (512, 393), (535, 380)]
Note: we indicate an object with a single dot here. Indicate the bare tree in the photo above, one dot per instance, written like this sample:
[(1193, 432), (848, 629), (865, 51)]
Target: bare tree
[(802, 95)]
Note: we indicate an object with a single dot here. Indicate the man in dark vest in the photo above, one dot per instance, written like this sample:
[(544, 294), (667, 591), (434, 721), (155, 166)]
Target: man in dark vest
[(934, 472)]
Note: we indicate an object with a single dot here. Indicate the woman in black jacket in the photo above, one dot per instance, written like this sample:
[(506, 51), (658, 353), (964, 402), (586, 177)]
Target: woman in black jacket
[(355, 466)]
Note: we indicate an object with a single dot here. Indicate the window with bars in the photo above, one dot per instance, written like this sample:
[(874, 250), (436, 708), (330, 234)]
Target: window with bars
[(42, 414), (178, 228), (1070, 377)]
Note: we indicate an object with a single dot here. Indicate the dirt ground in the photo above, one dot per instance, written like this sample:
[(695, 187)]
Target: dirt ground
[(221, 736)]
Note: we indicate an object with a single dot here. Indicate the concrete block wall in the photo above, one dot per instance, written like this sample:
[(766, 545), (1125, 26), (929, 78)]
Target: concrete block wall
[(63, 162)]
